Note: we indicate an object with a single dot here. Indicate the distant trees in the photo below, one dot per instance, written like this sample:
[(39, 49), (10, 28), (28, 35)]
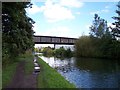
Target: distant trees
[(38, 50), (48, 51), (17, 32), (60, 52)]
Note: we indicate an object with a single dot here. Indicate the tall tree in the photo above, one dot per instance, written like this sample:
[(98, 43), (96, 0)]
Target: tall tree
[(99, 27), (116, 29), (17, 32)]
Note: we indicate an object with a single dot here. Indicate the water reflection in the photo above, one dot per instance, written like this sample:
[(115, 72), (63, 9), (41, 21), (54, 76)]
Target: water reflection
[(88, 73), (98, 65)]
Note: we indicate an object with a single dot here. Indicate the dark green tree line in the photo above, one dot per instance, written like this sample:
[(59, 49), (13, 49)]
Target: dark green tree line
[(17, 32)]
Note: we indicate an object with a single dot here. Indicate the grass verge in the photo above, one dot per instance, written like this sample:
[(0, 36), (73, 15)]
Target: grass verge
[(7, 73), (50, 78), (9, 70)]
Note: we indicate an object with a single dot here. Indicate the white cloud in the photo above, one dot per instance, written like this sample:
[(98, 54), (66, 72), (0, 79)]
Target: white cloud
[(71, 3), (57, 13), (54, 12)]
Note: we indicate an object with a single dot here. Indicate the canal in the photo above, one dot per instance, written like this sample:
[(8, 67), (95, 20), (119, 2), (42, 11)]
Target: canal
[(87, 73)]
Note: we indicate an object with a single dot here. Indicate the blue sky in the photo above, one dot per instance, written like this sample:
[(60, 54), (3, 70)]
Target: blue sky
[(68, 18)]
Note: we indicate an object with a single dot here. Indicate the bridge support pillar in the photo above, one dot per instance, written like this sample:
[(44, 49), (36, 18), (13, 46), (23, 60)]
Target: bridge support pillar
[(54, 46)]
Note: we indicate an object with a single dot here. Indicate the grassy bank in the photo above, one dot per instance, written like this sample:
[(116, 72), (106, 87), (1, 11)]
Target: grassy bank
[(50, 78), (7, 73), (9, 70)]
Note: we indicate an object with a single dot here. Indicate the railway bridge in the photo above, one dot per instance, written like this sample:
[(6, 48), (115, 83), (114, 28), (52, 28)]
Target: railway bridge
[(54, 40)]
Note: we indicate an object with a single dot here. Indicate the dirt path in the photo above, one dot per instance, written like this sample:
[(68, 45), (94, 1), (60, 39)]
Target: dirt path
[(20, 80)]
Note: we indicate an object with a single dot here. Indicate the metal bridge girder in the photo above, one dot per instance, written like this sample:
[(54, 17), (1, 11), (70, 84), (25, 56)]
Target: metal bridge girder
[(54, 40)]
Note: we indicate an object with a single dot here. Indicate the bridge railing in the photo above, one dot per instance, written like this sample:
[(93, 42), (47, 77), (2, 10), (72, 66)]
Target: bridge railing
[(53, 40)]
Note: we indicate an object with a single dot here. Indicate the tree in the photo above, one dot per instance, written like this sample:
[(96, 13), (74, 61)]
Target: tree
[(99, 27), (36, 50), (116, 29), (68, 52), (17, 32), (60, 52), (86, 46), (48, 51)]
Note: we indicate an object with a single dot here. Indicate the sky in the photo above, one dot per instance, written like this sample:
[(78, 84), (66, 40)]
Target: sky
[(68, 18)]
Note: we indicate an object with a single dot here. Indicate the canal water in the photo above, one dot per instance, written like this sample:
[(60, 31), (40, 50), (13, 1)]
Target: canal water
[(87, 73)]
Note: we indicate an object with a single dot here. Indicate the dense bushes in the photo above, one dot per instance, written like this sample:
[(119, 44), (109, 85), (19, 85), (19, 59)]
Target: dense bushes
[(84, 47), (88, 46)]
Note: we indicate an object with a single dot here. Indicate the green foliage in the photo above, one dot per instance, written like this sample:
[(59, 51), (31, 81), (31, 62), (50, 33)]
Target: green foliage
[(68, 53), (88, 46), (62, 52), (114, 49), (37, 50), (48, 51), (99, 27), (50, 78), (100, 43), (85, 47), (17, 33), (7, 73), (116, 29)]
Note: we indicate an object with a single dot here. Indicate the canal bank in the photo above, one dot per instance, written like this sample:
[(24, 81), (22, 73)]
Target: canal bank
[(87, 72), (50, 78), (22, 74)]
